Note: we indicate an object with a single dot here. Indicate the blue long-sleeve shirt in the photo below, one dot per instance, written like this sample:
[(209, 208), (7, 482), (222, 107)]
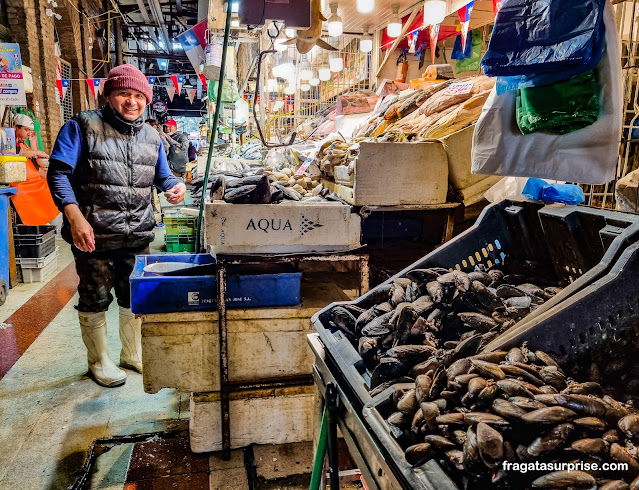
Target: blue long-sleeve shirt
[(66, 154)]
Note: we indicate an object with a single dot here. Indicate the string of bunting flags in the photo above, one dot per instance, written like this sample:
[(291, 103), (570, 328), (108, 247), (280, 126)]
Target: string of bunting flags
[(96, 85)]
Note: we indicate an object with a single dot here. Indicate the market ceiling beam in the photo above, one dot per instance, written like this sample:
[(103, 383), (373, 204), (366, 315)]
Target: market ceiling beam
[(398, 39), (178, 6), (156, 10), (154, 56), (143, 11)]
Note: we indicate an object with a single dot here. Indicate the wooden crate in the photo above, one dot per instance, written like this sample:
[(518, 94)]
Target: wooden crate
[(263, 416), (181, 350), (394, 174), (288, 227)]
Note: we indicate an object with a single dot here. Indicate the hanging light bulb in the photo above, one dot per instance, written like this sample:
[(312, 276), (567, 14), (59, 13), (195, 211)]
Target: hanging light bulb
[(305, 87), (336, 63), (289, 90), (314, 82), (366, 42), (272, 85), (289, 32), (279, 45), (434, 12), (365, 6), (324, 73), (284, 69), (335, 26), (305, 70), (394, 27)]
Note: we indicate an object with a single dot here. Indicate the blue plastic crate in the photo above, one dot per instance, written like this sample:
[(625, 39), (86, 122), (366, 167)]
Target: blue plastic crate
[(248, 286)]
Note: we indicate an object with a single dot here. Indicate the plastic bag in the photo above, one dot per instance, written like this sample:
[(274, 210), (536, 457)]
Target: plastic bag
[(541, 36), (471, 63), (457, 53), (540, 190), (506, 187), (588, 155), (229, 92)]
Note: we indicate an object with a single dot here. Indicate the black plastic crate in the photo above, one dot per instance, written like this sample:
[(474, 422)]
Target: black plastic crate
[(599, 314), (34, 241), (573, 245)]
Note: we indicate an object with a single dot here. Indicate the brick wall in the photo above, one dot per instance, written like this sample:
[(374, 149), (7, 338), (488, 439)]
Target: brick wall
[(36, 33)]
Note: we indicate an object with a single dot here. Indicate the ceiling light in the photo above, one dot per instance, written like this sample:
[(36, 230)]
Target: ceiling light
[(365, 6), (366, 42), (305, 69), (284, 69), (279, 45), (324, 73), (235, 22), (394, 27), (289, 32), (305, 87), (289, 90), (336, 64), (314, 82), (335, 26), (434, 12)]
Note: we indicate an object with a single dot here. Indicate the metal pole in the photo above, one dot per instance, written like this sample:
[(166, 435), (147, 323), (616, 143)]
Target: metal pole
[(117, 28), (224, 359), (216, 119)]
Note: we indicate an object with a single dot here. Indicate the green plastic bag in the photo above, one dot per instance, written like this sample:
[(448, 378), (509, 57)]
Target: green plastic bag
[(229, 92), (559, 108), (471, 63)]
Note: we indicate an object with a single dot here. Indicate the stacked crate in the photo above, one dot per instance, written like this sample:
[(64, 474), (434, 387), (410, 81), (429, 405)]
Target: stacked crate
[(36, 252), (180, 232)]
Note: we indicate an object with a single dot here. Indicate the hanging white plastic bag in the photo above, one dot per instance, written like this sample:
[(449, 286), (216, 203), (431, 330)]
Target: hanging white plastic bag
[(588, 155)]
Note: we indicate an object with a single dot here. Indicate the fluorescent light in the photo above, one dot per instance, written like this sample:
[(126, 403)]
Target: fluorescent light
[(394, 27), (289, 32), (366, 42), (279, 45), (235, 7), (235, 22), (335, 26), (336, 63), (365, 6), (324, 73), (314, 82), (434, 12), (305, 87)]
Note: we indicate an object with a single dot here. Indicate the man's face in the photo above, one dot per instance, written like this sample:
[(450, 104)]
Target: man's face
[(23, 133), (169, 128), (129, 103)]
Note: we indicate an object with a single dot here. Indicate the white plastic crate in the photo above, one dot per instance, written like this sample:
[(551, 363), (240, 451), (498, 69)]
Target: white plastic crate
[(33, 272)]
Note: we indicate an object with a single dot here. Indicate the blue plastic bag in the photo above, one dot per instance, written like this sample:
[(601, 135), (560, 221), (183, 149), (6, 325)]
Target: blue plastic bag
[(540, 190), (545, 36)]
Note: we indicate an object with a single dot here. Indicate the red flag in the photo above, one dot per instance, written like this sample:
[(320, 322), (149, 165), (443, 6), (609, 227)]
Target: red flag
[(203, 80), (171, 91), (434, 34), (101, 87), (192, 94), (176, 82), (63, 85), (497, 6), (464, 14)]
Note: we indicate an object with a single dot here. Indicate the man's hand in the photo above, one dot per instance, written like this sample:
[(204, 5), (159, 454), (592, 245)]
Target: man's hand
[(81, 230), (176, 193)]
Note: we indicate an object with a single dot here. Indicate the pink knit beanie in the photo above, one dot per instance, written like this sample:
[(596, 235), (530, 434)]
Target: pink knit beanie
[(128, 76)]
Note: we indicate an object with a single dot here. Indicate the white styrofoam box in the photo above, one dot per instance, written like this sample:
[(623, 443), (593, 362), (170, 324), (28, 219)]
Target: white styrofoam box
[(342, 176), (181, 350), (394, 174), (288, 227), (458, 148), (39, 274), (264, 416), (13, 171)]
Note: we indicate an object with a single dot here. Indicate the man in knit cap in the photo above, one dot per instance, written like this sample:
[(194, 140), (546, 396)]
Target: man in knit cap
[(103, 167)]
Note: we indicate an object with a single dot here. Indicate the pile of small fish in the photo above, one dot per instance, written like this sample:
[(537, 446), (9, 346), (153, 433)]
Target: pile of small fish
[(264, 189), (473, 412), (432, 309), (334, 152)]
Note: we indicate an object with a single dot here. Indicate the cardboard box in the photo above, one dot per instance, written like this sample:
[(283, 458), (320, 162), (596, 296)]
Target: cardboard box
[(181, 350), (265, 416), (393, 174), (288, 227), (458, 149)]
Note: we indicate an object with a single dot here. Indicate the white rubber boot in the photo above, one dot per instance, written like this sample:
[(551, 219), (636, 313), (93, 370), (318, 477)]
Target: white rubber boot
[(131, 337), (94, 335)]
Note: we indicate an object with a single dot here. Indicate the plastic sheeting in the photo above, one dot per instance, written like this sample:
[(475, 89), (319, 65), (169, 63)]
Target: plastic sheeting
[(541, 36), (588, 155)]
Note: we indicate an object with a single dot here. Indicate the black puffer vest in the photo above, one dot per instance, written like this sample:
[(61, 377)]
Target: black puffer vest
[(113, 181)]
